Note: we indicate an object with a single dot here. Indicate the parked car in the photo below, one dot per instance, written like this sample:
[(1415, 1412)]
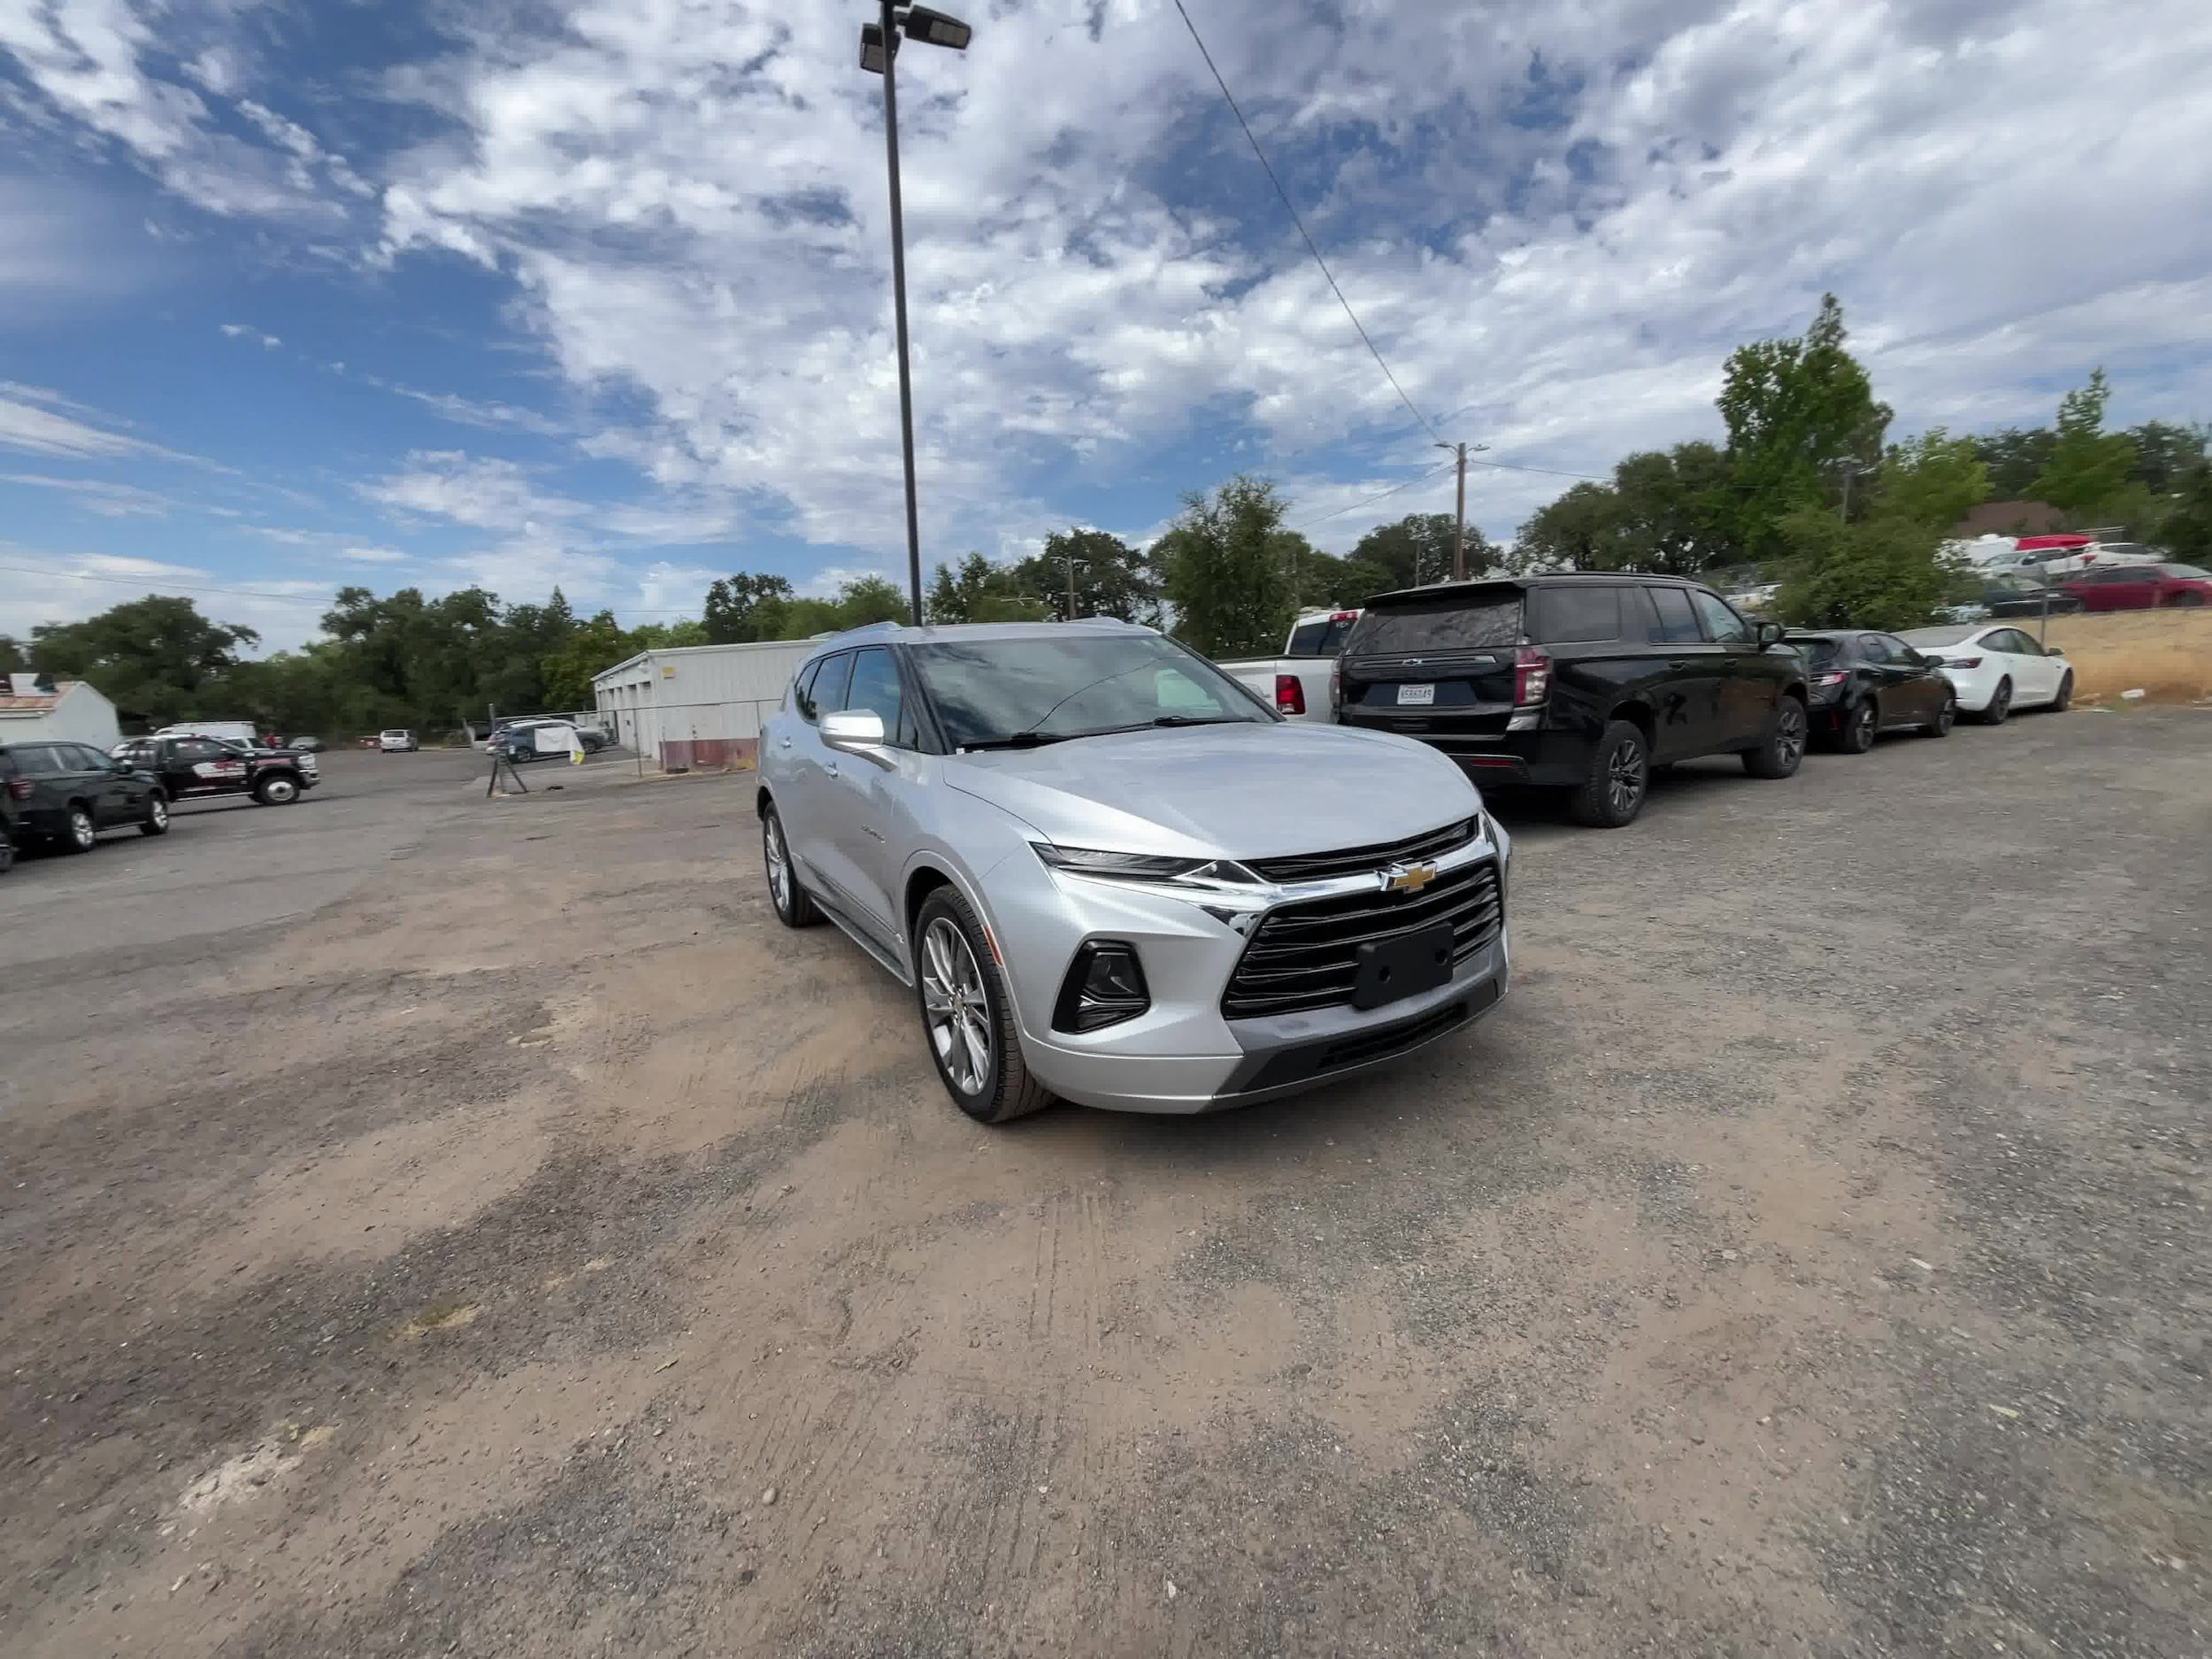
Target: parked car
[(308, 745), (1115, 877), (517, 740), (65, 794), (1299, 685), (1864, 683), (1996, 669), (189, 766), (1580, 679), (2019, 594), (397, 740), (2140, 587)]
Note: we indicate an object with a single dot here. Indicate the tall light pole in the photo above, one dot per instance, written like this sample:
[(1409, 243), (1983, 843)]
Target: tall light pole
[(1459, 547), (878, 55)]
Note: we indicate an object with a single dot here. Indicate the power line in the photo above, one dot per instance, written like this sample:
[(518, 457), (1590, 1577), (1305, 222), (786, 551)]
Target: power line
[(1549, 472), (1310, 248), (1378, 495)]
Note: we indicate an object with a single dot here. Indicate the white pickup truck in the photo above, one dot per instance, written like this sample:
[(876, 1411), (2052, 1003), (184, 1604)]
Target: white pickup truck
[(1300, 685)]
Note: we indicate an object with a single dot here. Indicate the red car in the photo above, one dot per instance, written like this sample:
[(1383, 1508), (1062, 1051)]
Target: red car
[(2139, 586)]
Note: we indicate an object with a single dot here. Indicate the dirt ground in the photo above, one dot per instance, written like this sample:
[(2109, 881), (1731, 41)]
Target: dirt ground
[(529, 1247), (2167, 655)]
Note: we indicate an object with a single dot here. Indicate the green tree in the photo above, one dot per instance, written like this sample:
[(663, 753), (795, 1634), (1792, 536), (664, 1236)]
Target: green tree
[(2088, 467), (1932, 479), (1670, 512), (980, 591), (2165, 452), (12, 661), (594, 646), (2014, 457), (155, 657), (1111, 578), (731, 604), (1231, 590), (1801, 421), (1579, 531), (663, 636), (1418, 548), (1886, 571), (1325, 581), (2185, 529)]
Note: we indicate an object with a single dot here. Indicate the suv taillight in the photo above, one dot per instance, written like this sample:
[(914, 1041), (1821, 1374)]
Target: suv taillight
[(20, 787), (1336, 686), (1290, 694), (1532, 676)]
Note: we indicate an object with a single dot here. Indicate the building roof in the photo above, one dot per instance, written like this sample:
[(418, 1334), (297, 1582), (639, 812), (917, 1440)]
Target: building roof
[(36, 701)]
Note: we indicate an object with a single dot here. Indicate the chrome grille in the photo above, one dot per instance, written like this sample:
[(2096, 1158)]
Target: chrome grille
[(1306, 956), (1354, 861)]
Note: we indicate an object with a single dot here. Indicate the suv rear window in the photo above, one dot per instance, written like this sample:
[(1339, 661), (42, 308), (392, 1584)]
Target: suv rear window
[(1472, 623), (1575, 611), (1819, 653)]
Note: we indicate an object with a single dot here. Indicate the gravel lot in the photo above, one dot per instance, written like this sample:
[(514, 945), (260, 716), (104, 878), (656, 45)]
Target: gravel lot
[(440, 1226)]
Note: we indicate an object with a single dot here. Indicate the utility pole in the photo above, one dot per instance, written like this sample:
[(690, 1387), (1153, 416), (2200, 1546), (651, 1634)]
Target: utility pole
[(1459, 545), (898, 307), (1069, 557)]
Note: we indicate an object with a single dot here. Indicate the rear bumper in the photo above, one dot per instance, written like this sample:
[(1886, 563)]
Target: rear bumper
[(1506, 759)]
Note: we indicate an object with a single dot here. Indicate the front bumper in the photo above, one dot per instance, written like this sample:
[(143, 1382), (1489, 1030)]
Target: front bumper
[(1182, 1054)]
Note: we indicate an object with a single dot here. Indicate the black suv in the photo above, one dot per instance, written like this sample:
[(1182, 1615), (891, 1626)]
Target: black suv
[(1582, 680), (65, 794)]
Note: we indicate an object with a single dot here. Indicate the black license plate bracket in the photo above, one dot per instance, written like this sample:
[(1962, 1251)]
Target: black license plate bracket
[(1392, 969)]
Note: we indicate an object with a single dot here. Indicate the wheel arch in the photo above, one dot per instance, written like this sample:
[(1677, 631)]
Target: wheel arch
[(1639, 714)]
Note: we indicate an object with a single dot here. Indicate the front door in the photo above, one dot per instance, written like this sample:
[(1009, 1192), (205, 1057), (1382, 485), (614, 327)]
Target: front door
[(809, 804), (1746, 706), (867, 794), (116, 796)]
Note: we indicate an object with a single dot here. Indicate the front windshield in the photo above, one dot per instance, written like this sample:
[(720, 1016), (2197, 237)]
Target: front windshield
[(991, 691)]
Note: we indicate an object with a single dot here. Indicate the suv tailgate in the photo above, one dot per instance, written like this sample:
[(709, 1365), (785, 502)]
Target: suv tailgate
[(1440, 664)]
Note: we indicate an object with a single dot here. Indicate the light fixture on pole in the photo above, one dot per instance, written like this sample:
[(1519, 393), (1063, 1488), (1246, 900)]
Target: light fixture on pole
[(878, 55)]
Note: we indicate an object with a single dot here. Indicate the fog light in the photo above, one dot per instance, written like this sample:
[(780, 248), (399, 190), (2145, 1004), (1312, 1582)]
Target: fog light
[(1105, 985)]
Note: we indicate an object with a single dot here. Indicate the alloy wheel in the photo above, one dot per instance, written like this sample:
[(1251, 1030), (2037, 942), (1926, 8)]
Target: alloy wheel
[(157, 813), (778, 865), (1625, 778), (82, 833), (1863, 726), (1789, 737), (955, 1007)]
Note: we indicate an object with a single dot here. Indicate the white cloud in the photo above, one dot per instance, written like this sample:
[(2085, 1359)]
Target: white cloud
[(478, 491), (247, 331), (31, 419), (109, 500), (41, 585)]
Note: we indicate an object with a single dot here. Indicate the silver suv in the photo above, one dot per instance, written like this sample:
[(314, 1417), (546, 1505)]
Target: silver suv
[(1114, 876)]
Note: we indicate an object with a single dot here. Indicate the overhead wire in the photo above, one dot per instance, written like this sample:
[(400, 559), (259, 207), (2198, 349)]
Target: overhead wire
[(1311, 247), (1353, 506)]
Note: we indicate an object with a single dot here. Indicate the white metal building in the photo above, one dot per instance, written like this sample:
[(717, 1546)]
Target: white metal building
[(697, 705), (72, 711)]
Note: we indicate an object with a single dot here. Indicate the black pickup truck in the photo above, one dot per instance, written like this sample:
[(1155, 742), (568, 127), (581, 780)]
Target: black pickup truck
[(191, 766)]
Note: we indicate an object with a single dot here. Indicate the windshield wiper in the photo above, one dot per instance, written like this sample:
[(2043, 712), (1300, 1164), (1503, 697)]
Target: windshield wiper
[(1023, 739), (1033, 739)]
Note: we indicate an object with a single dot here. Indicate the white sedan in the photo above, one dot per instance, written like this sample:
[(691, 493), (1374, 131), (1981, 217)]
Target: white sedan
[(1996, 668)]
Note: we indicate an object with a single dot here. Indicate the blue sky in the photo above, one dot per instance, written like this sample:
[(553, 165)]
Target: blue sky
[(293, 295)]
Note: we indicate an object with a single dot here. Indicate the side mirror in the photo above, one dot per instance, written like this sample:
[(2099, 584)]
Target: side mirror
[(1771, 634), (854, 731), (2053, 650)]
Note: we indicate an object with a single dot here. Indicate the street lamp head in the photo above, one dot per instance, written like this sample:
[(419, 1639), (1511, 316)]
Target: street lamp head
[(871, 48), (936, 29)]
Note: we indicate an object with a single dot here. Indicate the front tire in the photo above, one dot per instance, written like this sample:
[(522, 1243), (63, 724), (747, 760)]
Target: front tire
[(82, 832), (277, 791), (1784, 752), (1947, 717), (7, 853), (967, 1015), (156, 820), (795, 906), (1860, 727), (2064, 699), (1999, 703)]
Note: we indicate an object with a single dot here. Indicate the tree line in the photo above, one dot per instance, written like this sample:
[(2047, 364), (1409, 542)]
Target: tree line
[(1806, 488)]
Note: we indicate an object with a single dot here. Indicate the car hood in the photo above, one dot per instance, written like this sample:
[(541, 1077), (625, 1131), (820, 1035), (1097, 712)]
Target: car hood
[(1243, 791)]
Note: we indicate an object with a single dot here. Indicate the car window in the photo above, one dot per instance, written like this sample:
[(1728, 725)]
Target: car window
[(2185, 573), (1873, 648), (40, 760), (1678, 623), (1577, 611), (828, 689), (189, 750), (1305, 639), (1820, 654), (1722, 624), (1898, 651), (88, 759), (875, 685), (1480, 622)]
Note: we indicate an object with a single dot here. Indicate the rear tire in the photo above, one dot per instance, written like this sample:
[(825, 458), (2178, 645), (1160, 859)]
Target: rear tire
[(83, 831), (1619, 778), (1999, 704), (1784, 752), (2065, 698), (1860, 727), (963, 1002), (7, 853), (157, 820), (1945, 717), (795, 906)]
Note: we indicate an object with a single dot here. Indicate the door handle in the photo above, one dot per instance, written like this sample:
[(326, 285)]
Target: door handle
[(783, 742), (830, 767)]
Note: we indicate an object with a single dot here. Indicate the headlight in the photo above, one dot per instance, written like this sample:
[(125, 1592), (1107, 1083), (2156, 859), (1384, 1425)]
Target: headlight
[(1137, 866)]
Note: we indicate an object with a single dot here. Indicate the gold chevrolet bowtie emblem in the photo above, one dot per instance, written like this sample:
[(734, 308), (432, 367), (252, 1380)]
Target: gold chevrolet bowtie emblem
[(1407, 878)]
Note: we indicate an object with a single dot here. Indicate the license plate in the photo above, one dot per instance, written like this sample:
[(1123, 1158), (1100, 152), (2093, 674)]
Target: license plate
[(1416, 697), (1404, 966)]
